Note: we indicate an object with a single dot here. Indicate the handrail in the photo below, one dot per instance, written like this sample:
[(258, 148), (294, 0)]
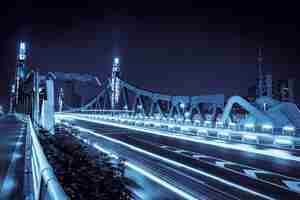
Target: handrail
[(45, 183)]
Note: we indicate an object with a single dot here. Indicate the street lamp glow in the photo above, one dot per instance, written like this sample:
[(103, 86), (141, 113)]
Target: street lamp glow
[(197, 121), (116, 61), (182, 105), (249, 125), (267, 126), (289, 128), (224, 134), (250, 137), (232, 124), (187, 114), (283, 141), (22, 45)]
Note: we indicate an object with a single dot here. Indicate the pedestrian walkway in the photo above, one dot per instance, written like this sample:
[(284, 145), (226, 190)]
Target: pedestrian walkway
[(12, 146)]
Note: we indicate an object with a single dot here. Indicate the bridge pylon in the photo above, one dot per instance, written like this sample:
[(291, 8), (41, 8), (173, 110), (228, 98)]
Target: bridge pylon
[(115, 83)]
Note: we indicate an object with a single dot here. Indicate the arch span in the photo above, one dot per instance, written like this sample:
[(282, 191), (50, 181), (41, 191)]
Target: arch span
[(258, 115)]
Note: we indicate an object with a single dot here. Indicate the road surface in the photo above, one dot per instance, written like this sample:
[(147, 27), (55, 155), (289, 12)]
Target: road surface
[(259, 176)]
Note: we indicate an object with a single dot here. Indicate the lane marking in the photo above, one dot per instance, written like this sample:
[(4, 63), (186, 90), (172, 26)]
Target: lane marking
[(250, 171), (199, 156), (222, 163)]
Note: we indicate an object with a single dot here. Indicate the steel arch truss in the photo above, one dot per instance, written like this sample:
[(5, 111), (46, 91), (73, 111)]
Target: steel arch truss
[(148, 103)]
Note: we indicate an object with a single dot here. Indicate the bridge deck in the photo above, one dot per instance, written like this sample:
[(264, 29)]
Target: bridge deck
[(12, 140)]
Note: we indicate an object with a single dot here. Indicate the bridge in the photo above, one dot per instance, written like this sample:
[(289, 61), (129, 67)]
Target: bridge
[(187, 147)]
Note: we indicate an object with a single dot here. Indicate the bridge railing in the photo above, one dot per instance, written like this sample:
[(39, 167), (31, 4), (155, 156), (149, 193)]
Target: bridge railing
[(130, 115), (285, 137), (44, 183)]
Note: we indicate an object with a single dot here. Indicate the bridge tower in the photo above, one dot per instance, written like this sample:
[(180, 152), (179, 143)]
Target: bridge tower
[(115, 82), (19, 76), (47, 110)]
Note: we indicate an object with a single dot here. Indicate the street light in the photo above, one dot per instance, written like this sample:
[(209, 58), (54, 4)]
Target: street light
[(267, 126), (22, 46), (249, 125), (289, 128), (187, 114), (116, 61), (182, 105)]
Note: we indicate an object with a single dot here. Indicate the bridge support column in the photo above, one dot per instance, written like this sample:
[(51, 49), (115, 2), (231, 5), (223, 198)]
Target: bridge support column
[(47, 118), (36, 104)]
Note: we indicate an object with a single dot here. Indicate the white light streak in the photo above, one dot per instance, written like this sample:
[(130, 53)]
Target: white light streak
[(168, 160), (148, 175), (160, 181)]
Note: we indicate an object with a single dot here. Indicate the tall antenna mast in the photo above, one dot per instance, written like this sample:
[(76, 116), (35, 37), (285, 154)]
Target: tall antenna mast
[(260, 87)]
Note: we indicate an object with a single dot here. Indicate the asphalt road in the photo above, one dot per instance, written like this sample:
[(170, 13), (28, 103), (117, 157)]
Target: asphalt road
[(12, 142), (258, 173), (187, 183)]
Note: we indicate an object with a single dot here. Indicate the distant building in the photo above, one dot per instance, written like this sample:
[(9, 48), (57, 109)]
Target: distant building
[(282, 90), (285, 90)]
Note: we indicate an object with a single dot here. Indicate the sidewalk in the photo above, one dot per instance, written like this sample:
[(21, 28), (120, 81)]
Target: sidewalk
[(12, 143)]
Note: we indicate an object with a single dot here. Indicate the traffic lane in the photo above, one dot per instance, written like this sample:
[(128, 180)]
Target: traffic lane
[(283, 190), (268, 163), (279, 180), (155, 166), (12, 158), (192, 182), (145, 189), (245, 181), (282, 166), (283, 187)]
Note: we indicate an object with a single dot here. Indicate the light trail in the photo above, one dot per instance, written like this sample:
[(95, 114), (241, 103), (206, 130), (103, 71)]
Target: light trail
[(145, 173), (276, 153), (168, 160)]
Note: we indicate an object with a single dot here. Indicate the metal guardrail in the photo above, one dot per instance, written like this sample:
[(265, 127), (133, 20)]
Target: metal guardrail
[(130, 115), (44, 182), (281, 140)]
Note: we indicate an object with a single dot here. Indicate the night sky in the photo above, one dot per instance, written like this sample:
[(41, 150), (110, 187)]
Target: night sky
[(175, 48)]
